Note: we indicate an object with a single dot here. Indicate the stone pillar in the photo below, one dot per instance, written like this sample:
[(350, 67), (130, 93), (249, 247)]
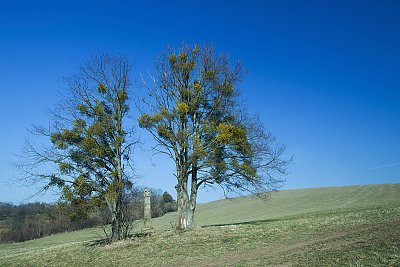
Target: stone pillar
[(148, 228), (147, 208)]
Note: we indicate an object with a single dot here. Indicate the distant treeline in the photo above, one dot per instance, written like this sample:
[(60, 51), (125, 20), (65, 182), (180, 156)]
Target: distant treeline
[(35, 220)]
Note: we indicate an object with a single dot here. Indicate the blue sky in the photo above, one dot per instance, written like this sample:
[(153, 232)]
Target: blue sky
[(322, 75)]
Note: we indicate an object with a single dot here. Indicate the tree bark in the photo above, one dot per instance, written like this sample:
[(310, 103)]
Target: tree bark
[(112, 206), (185, 212), (186, 204)]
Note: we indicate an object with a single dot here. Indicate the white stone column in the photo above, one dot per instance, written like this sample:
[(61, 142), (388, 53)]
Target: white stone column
[(147, 209)]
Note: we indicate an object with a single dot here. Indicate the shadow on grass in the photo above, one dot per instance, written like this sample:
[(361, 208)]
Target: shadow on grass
[(106, 241), (309, 214), (98, 242), (255, 222)]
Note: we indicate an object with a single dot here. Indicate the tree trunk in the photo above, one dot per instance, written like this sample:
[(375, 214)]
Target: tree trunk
[(185, 211), (117, 219), (186, 204), (115, 208), (112, 206)]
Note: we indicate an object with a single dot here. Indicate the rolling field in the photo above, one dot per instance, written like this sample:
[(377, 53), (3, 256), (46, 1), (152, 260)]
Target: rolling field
[(335, 226)]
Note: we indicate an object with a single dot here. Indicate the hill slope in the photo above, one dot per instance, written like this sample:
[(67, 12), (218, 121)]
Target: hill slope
[(288, 203), (358, 225)]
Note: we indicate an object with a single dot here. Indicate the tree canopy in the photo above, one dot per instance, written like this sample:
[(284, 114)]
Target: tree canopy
[(89, 155), (194, 112)]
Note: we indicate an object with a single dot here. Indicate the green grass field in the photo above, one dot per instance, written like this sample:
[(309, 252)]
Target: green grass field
[(335, 226)]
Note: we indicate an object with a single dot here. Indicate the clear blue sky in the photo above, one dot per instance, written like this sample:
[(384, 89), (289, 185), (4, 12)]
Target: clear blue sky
[(322, 75)]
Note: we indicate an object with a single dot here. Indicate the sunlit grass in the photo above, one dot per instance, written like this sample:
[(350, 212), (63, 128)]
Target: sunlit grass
[(345, 226)]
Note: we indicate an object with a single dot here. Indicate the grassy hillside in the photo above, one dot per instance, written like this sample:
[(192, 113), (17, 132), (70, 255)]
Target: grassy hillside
[(353, 226), (290, 202)]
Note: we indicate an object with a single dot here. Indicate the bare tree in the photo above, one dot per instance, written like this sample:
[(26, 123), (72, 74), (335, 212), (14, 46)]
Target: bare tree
[(195, 115), (90, 142)]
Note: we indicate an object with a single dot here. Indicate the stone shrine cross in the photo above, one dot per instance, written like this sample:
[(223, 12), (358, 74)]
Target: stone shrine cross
[(148, 228)]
